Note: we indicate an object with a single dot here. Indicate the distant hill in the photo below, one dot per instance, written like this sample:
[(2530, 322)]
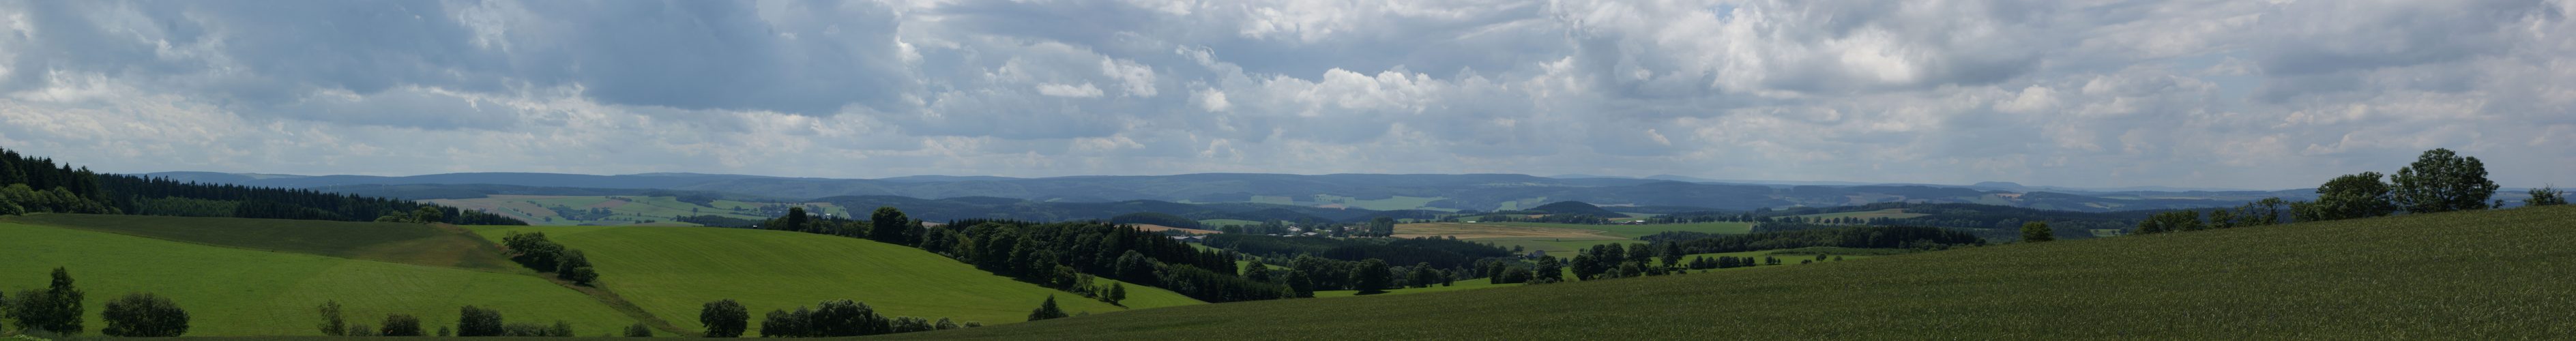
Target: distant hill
[(1448, 192), (1575, 207), (2324, 280)]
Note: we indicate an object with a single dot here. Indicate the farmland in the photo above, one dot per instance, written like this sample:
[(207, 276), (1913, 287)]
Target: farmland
[(244, 292), (618, 210), (2439, 275), (1557, 238), (670, 272), (1892, 213)]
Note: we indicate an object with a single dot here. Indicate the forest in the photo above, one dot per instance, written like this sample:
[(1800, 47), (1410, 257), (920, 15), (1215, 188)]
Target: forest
[(35, 185)]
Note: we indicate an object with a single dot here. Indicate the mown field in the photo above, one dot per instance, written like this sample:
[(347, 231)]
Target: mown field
[(2468, 275), (245, 292), (388, 242), (671, 272)]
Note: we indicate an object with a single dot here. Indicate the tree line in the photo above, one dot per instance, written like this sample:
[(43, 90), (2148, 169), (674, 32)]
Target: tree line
[(535, 252), (1065, 256), (1877, 237), (2439, 180), (39, 185)]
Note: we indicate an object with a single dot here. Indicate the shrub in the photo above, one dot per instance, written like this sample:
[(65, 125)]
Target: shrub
[(144, 315), (401, 325)]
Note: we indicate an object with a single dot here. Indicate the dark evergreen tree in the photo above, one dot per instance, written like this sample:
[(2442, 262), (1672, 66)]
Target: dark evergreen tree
[(1047, 311), (56, 309)]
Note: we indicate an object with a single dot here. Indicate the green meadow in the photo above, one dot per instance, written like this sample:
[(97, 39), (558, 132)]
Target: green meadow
[(236, 291)]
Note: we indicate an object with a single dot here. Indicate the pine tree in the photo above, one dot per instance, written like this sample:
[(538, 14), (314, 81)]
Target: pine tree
[(1047, 310)]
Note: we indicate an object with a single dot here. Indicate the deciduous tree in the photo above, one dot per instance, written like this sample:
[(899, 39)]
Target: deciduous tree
[(2032, 232), (2442, 181), (724, 318)]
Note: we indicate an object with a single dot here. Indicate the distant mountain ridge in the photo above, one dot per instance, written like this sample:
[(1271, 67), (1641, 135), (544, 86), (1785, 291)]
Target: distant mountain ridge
[(1381, 192)]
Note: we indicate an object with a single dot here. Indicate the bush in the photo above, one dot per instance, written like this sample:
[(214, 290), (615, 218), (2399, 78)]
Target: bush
[(2546, 196), (639, 330), (332, 323), (2037, 231), (144, 315), (1047, 311), (724, 318), (472, 321), (401, 325)]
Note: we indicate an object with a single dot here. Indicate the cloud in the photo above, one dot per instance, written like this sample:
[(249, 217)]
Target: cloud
[(2196, 93)]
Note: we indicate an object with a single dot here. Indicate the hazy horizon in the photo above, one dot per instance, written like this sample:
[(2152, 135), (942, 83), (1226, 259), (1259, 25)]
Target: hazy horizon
[(2087, 94)]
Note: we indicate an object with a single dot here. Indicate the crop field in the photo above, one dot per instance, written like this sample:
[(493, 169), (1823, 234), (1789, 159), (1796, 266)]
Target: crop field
[(1892, 213), (2443, 275), (243, 292), (670, 272), (387, 242)]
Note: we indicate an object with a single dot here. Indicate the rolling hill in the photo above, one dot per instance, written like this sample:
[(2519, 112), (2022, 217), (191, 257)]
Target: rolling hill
[(670, 272), (246, 281), (2468, 275)]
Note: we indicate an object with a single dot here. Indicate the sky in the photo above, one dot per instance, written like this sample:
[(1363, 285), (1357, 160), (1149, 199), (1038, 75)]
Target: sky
[(2267, 94)]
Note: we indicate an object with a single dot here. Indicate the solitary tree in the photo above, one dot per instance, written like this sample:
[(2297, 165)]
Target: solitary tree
[(1372, 277), (2352, 196), (144, 315), (1047, 310), (332, 323), (401, 325), (890, 225), (724, 318), (2546, 196), (2441, 181), (2032, 232)]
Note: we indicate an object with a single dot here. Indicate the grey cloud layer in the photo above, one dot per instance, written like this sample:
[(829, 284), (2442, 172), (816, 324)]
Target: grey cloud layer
[(2260, 94)]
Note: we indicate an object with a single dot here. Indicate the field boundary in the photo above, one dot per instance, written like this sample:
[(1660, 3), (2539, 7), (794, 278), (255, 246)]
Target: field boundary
[(605, 296)]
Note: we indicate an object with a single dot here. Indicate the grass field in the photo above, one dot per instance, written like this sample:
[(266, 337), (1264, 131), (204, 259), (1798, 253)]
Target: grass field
[(2468, 275), (672, 271), (388, 242), (242, 292)]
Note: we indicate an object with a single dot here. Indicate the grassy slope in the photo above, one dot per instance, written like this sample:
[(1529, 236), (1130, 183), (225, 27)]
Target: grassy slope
[(672, 271), (2472, 275), (231, 291), (389, 242)]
